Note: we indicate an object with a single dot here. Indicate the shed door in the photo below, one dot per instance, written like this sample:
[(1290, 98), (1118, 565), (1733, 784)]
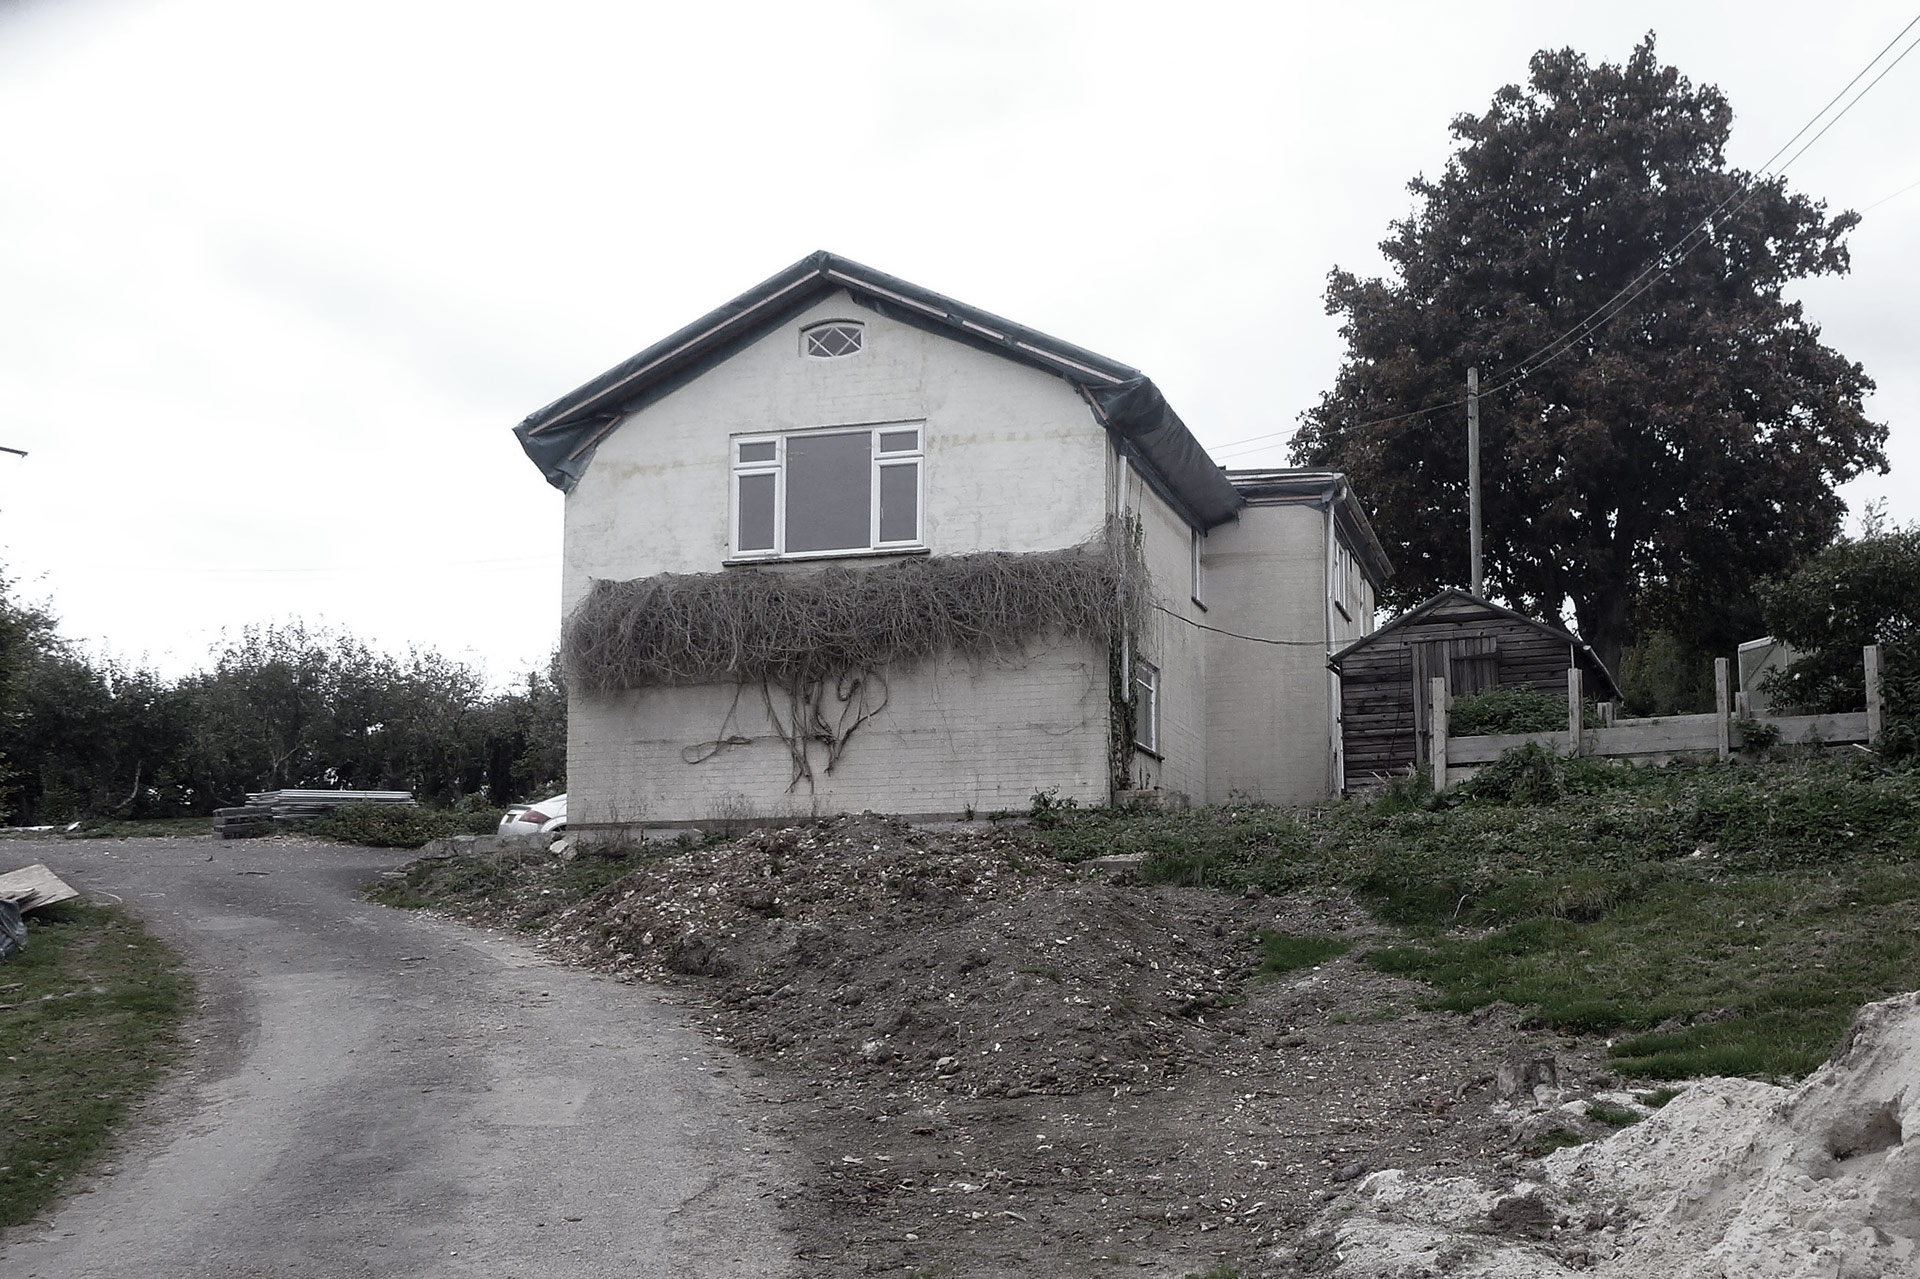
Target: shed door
[(1470, 664), (1429, 660)]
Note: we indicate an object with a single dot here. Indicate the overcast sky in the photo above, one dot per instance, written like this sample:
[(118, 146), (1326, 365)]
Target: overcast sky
[(277, 279)]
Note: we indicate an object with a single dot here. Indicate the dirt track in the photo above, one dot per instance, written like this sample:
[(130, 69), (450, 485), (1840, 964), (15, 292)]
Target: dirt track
[(378, 1093)]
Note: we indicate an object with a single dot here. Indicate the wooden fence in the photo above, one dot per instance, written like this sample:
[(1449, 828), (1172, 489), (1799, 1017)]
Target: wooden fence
[(1657, 740)]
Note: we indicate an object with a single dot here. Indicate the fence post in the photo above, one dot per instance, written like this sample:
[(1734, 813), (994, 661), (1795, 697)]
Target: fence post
[(1876, 711), (1437, 726), (1576, 708), (1722, 703)]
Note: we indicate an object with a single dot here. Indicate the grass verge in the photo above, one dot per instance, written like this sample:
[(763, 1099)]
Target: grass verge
[(1718, 919), (90, 1016)]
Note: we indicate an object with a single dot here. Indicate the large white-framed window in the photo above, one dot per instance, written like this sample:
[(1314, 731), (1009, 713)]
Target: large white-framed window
[(1146, 705), (830, 490)]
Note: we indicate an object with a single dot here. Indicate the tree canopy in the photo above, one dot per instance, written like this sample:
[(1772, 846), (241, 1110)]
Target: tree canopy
[(277, 706), (1661, 464)]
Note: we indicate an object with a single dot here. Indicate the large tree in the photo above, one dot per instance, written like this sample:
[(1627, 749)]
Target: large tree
[(1663, 462)]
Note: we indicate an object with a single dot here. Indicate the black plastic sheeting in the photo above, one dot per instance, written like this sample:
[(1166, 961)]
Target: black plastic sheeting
[(561, 438), (13, 931)]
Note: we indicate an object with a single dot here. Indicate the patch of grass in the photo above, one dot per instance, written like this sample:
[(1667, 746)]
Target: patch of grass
[(96, 1007), (1284, 952), (1754, 906), (1618, 1116), (1554, 1139)]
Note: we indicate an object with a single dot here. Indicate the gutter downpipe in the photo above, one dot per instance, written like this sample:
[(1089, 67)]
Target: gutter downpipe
[(1335, 763)]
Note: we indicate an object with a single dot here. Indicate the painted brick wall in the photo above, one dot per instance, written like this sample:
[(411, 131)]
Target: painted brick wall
[(954, 736), (1268, 707), (1178, 649)]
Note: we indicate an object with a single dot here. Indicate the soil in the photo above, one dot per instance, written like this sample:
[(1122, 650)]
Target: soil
[(999, 1064)]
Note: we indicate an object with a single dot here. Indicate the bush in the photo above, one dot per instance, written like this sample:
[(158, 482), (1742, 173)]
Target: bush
[(1507, 710), (400, 825), (1858, 591)]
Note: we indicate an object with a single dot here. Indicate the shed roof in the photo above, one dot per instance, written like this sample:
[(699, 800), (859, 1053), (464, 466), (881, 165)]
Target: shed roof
[(562, 437), (1454, 594)]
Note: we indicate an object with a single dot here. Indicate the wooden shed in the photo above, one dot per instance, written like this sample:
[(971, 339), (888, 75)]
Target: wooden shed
[(1475, 644)]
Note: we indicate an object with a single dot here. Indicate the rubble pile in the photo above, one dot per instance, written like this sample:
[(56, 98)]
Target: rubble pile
[(867, 947), (1733, 1177)]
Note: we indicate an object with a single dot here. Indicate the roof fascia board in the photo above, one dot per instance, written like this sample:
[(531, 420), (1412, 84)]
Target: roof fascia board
[(562, 437)]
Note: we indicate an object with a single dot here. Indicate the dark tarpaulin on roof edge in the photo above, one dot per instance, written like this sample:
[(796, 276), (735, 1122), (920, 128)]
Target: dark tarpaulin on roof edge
[(561, 438), (1137, 411)]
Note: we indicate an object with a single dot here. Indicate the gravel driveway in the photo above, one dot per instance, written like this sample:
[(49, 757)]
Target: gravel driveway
[(378, 1093)]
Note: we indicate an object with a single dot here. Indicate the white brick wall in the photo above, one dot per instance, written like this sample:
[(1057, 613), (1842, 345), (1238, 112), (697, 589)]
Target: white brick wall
[(954, 736), (1179, 650), (1269, 727)]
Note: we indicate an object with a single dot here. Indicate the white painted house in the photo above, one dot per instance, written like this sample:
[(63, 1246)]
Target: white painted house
[(834, 416)]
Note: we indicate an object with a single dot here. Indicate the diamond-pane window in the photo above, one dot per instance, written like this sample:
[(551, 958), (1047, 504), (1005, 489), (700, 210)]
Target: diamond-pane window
[(827, 341)]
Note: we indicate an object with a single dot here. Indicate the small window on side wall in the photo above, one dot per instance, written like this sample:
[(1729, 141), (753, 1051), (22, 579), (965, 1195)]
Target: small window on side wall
[(1146, 705), (833, 339)]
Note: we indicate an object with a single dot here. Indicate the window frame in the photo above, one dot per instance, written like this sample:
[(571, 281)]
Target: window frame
[(878, 462), (1146, 695), (858, 327)]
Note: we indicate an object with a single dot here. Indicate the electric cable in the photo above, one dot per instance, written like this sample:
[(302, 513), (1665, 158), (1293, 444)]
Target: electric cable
[(1662, 264)]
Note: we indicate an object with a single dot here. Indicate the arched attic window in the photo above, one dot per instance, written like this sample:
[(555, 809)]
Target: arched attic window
[(832, 339)]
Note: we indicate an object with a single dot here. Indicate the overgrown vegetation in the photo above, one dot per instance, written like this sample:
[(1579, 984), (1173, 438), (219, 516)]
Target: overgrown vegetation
[(1507, 710), (401, 826), (810, 652), (491, 879), (89, 1019), (1859, 591), (1710, 918)]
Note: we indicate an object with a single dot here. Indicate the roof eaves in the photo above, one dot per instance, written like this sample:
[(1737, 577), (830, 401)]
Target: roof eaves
[(561, 437)]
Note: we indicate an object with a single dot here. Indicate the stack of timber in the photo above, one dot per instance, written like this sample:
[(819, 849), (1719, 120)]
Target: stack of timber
[(242, 823), (264, 808)]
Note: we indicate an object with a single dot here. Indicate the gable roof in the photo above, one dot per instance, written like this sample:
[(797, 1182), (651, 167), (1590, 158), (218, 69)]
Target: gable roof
[(1454, 594), (561, 438)]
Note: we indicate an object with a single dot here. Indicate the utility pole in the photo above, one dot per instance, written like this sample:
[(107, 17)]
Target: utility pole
[(1473, 482)]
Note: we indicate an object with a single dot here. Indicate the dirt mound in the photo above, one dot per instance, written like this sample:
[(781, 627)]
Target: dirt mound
[(1733, 1177), (866, 946)]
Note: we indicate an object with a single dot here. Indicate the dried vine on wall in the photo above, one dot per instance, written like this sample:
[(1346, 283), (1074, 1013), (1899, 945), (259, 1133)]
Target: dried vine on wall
[(819, 644)]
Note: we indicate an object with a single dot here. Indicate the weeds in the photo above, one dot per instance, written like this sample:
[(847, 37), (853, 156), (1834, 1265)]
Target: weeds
[(1283, 952), (1617, 1116), (400, 825), (91, 1015), (1724, 918)]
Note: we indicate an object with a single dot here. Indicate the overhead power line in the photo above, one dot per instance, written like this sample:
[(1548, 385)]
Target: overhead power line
[(1664, 262)]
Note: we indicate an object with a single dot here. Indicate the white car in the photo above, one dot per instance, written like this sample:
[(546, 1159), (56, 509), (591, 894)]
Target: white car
[(543, 818)]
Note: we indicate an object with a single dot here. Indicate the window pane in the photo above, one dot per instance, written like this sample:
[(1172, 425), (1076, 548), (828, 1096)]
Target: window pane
[(899, 441), (1146, 707), (756, 512), (759, 451), (900, 502), (829, 492)]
